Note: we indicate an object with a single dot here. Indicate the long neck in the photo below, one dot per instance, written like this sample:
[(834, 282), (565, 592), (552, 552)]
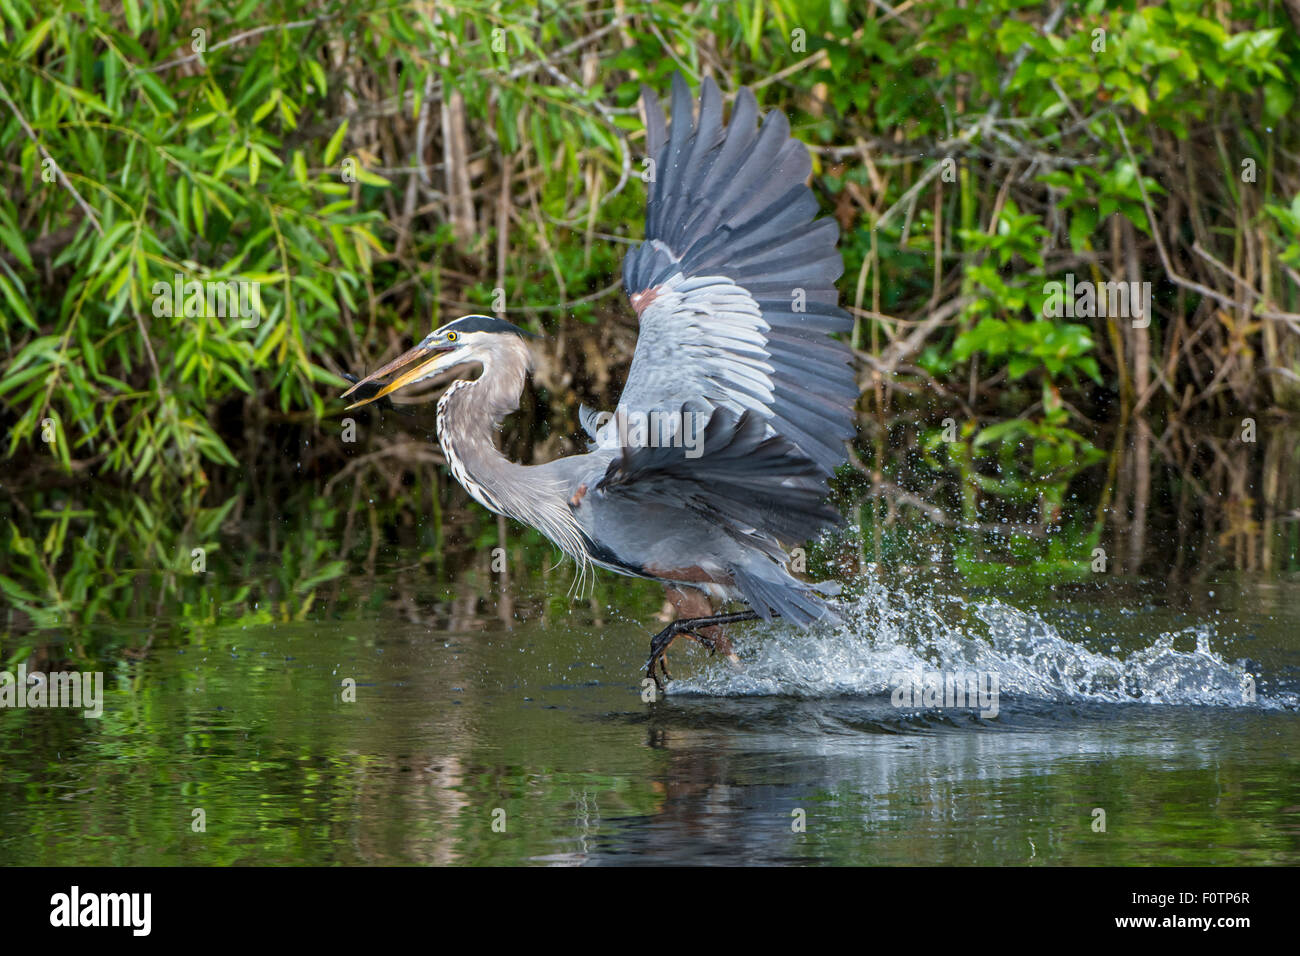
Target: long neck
[(470, 414)]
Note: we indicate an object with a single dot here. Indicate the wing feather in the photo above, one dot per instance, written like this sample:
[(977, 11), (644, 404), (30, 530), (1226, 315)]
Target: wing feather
[(735, 282)]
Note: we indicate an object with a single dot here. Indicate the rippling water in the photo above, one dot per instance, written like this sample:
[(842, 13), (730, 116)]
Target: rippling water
[(481, 743)]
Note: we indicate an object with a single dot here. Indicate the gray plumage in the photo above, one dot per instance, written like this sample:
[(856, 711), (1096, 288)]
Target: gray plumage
[(748, 399)]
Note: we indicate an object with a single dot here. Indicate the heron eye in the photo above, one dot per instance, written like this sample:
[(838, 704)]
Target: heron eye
[(451, 336)]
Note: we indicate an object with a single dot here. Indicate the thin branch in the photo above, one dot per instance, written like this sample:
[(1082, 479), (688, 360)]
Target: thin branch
[(240, 38), (1173, 276), (58, 170)]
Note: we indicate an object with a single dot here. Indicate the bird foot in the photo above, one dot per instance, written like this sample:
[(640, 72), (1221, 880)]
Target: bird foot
[(659, 648), (659, 654)]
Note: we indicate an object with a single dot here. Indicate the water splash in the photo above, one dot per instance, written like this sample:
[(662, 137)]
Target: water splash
[(887, 632)]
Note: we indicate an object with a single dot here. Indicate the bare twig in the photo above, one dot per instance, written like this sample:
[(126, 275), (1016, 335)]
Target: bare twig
[(240, 38), (58, 170), (1170, 272), (90, 215), (789, 70)]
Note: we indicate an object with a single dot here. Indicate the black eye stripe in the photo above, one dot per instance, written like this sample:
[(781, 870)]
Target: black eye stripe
[(486, 323)]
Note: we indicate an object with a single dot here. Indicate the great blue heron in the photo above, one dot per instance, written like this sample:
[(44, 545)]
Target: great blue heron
[(738, 402)]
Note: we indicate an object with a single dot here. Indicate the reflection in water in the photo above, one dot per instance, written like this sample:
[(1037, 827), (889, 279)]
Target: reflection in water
[(541, 726), (877, 789), (486, 696)]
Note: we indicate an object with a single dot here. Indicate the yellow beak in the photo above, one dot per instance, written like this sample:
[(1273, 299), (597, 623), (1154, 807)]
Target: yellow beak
[(411, 367)]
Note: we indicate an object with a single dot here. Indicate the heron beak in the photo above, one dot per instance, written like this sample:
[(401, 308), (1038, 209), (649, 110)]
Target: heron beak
[(417, 363)]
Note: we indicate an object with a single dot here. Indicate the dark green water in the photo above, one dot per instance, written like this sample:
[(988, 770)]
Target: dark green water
[(1113, 701)]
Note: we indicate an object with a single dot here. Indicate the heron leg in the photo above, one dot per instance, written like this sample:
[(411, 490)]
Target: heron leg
[(690, 602), (691, 627), (687, 602)]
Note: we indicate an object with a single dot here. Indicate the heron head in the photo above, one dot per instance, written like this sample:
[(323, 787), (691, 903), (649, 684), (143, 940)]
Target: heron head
[(468, 340)]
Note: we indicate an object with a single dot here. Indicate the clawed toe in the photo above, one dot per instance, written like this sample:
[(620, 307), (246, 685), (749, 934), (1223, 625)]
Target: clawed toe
[(659, 655), (691, 627)]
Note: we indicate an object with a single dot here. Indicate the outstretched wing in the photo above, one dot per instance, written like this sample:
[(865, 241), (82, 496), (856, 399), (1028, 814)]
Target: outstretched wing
[(734, 285), (747, 479)]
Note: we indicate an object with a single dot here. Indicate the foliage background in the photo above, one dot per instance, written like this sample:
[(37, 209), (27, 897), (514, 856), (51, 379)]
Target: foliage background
[(497, 147)]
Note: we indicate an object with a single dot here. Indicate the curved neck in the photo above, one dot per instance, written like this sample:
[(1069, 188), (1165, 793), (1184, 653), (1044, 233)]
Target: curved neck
[(469, 417), (470, 414)]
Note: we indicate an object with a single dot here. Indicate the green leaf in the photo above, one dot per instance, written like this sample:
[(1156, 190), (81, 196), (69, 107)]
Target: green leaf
[(335, 144), (34, 39), (132, 9)]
